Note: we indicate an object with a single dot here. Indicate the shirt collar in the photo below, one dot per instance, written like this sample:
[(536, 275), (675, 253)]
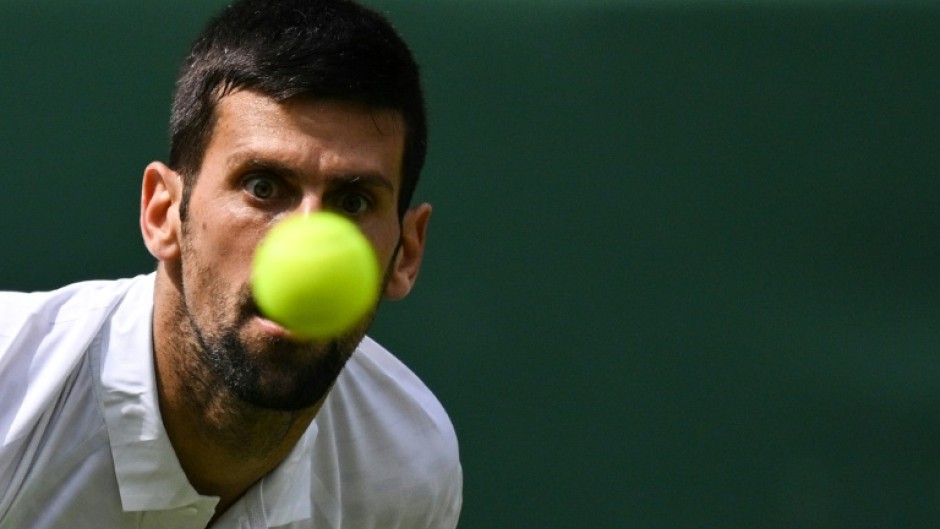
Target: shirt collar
[(285, 492), (148, 472)]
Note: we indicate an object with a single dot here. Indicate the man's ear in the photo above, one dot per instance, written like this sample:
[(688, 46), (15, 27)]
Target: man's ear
[(160, 197), (407, 264)]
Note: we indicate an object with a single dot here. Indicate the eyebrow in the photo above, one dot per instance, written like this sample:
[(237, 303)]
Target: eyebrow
[(373, 180)]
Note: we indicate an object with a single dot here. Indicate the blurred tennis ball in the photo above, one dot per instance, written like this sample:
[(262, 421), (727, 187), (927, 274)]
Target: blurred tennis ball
[(316, 275)]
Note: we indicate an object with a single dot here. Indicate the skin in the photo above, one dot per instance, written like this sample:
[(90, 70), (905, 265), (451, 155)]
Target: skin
[(264, 162)]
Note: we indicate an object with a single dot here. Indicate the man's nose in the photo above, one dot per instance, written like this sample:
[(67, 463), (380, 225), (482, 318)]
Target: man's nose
[(310, 203)]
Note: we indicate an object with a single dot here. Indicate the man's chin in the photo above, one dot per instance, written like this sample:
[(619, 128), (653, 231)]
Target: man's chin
[(285, 386), (276, 370)]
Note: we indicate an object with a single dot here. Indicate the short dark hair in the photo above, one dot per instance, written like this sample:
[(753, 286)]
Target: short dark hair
[(332, 49)]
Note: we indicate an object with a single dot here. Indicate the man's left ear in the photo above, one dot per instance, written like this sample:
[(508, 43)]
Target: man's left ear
[(404, 271)]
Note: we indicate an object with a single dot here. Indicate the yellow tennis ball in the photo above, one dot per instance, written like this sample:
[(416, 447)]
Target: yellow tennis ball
[(316, 275)]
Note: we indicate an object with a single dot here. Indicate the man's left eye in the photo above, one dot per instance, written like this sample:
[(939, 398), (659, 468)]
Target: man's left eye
[(353, 204)]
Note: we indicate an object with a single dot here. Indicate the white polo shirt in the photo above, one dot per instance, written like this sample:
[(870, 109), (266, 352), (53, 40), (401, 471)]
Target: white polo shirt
[(82, 443)]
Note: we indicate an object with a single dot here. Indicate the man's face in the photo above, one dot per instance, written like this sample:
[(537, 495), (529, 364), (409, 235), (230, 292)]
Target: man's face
[(265, 161)]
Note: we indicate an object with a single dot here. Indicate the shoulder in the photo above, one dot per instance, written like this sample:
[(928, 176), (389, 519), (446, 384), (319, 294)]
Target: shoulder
[(40, 311), (44, 335), (58, 321), (393, 439), (377, 385)]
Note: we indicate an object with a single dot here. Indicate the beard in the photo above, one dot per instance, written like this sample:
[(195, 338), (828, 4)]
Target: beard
[(267, 372), (272, 372)]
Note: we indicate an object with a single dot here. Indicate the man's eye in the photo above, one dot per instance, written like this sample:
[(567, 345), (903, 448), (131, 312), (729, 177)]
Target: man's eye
[(353, 204), (261, 187)]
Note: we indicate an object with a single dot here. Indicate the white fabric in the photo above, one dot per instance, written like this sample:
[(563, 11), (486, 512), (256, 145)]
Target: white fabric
[(82, 444)]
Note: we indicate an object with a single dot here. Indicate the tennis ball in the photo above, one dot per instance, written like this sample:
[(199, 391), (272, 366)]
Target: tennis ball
[(316, 275)]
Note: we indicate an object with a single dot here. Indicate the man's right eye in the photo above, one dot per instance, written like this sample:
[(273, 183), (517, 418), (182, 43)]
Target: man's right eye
[(261, 187)]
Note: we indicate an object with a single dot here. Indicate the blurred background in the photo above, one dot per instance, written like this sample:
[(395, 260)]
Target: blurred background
[(683, 261)]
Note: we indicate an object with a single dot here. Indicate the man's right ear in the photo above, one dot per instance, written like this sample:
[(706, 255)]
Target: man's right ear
[(160, 197)]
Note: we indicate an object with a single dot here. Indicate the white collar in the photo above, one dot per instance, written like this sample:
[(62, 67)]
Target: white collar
[(285, 492), (148, 473)]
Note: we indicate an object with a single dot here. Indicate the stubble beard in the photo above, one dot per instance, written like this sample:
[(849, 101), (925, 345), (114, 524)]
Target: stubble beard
[(272, 373), (264, 372)]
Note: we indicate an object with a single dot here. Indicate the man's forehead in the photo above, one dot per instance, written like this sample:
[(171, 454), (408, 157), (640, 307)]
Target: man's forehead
[(387, 121), (251, 125)]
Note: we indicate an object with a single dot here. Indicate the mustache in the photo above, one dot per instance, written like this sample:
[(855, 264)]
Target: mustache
[(247, 306)]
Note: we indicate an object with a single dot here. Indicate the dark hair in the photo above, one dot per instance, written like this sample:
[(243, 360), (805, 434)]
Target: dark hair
[(334, 49)]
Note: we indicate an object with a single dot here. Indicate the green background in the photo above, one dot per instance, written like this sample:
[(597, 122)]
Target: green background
[(683, 262)]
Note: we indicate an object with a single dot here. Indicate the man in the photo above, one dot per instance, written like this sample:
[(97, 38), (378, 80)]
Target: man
[(168, 400)]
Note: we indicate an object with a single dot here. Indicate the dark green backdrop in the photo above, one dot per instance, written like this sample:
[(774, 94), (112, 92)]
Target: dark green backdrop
[(683, 262)]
